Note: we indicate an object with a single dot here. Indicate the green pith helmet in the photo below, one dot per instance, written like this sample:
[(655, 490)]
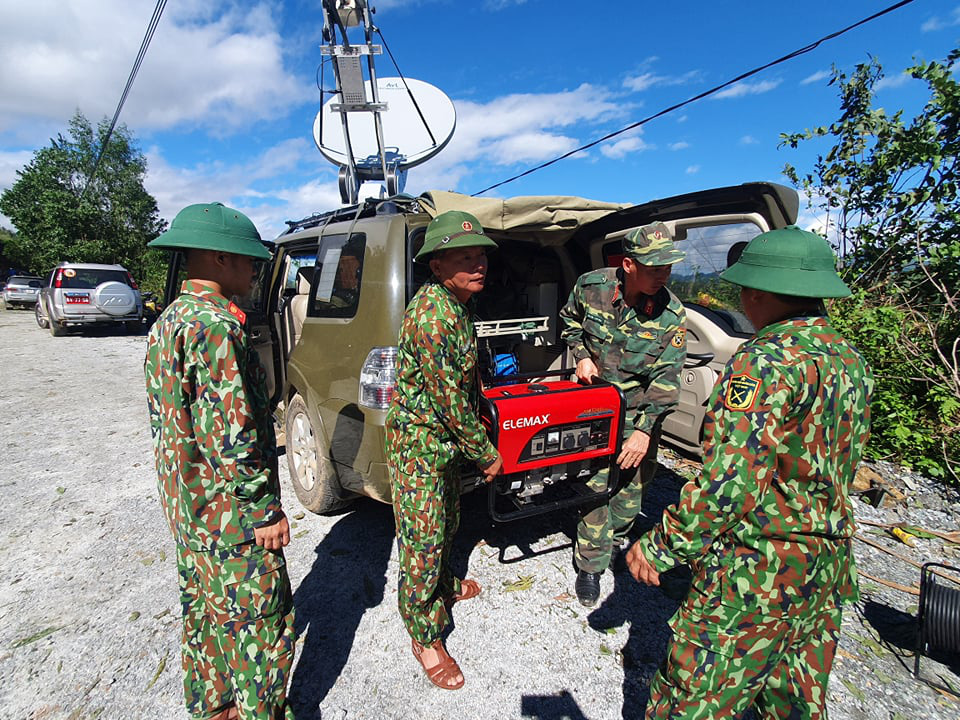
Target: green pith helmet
[(453, 229), (789, 261), (652, 245), (212, 226)]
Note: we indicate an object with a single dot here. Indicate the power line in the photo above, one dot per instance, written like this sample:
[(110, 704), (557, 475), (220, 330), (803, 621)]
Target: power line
[(796, 53), (151, 27)]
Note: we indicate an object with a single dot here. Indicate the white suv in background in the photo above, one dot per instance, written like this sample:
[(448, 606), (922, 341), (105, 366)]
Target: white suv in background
[(85, 294)]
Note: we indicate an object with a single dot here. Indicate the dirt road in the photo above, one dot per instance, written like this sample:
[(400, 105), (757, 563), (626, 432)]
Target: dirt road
[(89, 615)]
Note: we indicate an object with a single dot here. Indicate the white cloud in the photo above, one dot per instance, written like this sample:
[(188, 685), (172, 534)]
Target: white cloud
[(646, 80), (213, 64), (627, 143), (749, 140), (682, 145), (816, 77), (936, 23), (746, 88), (892, 81), (525, 127), (693, 169)]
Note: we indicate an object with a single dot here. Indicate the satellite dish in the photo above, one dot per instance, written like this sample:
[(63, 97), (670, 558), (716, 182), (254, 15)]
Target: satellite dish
[(410, 135)]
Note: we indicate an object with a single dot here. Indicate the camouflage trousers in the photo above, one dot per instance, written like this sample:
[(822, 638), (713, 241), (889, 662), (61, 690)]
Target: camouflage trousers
[(426, 509), (601, 526), (717, 666), (238, 637)]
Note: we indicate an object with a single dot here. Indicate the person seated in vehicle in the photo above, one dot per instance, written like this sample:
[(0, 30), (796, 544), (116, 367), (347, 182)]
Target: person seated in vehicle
[(346, 286)]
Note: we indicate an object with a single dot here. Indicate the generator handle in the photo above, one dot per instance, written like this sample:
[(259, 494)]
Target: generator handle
[(507, 379)]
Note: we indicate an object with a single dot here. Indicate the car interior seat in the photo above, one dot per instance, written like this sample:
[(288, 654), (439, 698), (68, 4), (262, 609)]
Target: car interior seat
[(298, 303)]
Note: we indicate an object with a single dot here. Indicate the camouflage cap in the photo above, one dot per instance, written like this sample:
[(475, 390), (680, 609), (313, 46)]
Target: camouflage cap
[(789, 261), (652, 245), (453, 229), (212, 226)]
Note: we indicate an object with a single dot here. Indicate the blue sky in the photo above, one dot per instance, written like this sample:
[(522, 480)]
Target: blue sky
[(224, 102)]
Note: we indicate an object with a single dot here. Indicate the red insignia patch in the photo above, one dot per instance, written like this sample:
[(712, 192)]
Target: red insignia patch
[(467, 225), (237, 313), (741, 392)]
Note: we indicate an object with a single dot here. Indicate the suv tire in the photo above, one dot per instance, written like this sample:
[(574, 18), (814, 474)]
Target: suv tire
[(312, 472), (41, 320)]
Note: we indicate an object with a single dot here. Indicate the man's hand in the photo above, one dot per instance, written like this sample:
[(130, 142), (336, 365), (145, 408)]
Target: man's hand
[(275, 534), (633, 450), (494, 469), (587, 370), (640, 568)]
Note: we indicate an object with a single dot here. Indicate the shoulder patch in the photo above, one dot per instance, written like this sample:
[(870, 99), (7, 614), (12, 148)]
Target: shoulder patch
[(679, 337), (741, 392), (237, 313)]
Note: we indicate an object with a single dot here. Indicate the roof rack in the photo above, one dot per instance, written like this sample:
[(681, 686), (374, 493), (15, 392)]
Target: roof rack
[(368, 208)]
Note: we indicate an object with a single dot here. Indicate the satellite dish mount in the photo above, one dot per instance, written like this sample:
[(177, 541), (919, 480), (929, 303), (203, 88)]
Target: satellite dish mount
[(375, 145)]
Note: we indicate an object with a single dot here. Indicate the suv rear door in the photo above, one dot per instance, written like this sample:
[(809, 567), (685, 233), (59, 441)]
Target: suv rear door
[(706, 225)]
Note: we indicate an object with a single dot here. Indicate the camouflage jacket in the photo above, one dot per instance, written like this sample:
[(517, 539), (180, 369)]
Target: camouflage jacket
[(640, 350), (210, 420), (768, 525), (433, 416)]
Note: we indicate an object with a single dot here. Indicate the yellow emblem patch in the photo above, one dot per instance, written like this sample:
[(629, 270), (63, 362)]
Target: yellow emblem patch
[(678, 338), (741, 392)]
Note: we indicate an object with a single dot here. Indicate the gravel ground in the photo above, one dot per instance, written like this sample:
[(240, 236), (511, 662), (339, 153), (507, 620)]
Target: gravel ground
[(89, 623)]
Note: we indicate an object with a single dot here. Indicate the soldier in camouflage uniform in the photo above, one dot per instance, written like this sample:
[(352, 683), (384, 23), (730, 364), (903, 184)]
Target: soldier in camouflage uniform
[(433, 425), (217, 466), (767, 528), (624, 326)]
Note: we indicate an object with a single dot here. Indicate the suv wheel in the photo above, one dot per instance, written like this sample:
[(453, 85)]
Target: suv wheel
[(41, 320), (311, 470)]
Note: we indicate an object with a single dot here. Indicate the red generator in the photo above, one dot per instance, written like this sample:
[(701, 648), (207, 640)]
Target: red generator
[(552, 436)]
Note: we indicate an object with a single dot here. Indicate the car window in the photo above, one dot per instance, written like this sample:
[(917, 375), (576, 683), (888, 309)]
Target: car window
[(23, 282), (88, 278), (696, 279), (337, 275), (294, 263)]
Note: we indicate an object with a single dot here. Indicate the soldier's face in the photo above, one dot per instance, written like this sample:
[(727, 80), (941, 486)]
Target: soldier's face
[(648, 279), (461, 270)]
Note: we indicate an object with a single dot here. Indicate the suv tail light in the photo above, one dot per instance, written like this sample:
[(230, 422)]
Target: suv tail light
[(378, 378), (58, 281), (133, 283)]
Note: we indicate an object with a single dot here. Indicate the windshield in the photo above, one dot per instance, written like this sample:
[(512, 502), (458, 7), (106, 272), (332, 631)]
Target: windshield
[(88, 278)]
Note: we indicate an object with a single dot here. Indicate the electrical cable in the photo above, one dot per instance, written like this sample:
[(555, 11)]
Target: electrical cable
[(148, 36), (939, 613), (796, 53)]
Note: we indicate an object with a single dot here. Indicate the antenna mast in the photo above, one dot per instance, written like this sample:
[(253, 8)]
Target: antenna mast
[(352, 89)]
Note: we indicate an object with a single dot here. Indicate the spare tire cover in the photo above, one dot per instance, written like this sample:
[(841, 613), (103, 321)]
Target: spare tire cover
[(115, 298)]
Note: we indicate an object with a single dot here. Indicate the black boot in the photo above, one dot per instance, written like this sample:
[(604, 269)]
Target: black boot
[(587, 587)]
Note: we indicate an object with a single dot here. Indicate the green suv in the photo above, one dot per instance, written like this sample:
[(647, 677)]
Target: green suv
[(327, 312)]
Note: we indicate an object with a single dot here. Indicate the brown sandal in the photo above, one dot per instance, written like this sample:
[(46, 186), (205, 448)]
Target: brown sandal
[(468, 589), (443, 671)]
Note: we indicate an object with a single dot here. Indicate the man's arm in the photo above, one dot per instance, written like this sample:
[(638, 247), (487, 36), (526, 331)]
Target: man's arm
[(743, 432), (438, 350), (225, 425)]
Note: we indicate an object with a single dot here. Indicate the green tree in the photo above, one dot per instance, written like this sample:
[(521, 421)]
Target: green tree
[(888, 187), (62, 213)]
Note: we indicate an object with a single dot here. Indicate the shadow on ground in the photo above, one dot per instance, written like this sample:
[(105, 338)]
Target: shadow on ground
[(347, 578)]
